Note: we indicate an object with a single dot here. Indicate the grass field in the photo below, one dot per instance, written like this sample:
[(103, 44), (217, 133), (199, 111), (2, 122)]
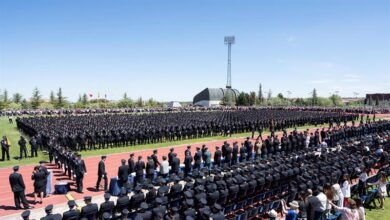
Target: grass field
[(379, 214)]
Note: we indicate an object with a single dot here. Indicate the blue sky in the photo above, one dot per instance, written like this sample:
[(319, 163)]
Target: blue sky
[(170, 50)]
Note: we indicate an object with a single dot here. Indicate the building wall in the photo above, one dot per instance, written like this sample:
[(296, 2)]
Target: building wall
[(208, 103)]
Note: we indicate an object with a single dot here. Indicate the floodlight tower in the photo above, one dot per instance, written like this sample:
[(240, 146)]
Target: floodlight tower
[(229, 40)]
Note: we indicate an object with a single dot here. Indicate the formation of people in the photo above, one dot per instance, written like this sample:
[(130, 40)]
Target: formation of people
[(80, 133), (255, 180)]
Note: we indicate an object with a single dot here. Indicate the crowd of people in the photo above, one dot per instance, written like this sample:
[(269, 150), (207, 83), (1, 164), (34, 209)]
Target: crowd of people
[(302, 179), (103, 131)]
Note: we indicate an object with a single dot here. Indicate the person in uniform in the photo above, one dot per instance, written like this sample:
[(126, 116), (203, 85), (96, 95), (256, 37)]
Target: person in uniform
[(22, 147), (175, 167), (139, 171), (123, 174), (150, 166), (17, 185), (102, 174), (131, 163), (197, 158), (90, 210), (80, 171), (155, 159), (187, 163), (107, 206), (72, 213), (50, 215), (4, 148), (217, 156), (34, 147), (26, 215)]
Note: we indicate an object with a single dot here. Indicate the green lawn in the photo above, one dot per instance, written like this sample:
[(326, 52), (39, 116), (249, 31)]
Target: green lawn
[(379, 214)]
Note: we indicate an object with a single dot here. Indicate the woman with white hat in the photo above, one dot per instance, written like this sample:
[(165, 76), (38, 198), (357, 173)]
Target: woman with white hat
[(292, 211)]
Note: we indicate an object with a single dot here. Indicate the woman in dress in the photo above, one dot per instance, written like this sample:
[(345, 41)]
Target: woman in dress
[(381, 188), (39, 178)]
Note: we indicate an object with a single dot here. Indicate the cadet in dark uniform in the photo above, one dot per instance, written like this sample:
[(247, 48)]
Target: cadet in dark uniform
[(72, 213), (175, 164), (107, 206), (150, 166), (102, 174), (144, 213), (23, 149), (90, 210), (131, 163), (155, 159), (197, 159), (49, 214), (26, 215), (139, 171), (34, 147), (123, 174), (80, 170), (217, 157), (187, 163), (4, 148), (18, 187)]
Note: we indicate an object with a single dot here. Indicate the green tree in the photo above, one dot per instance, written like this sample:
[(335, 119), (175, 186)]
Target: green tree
[(140, 102), (125, 102), (36, 98), (52, 98), (84, 100), (5, 96), (17, 98), (335, 100), (314, 97), (260, 95), (280, 96), (269, 94), (24, 104), (252, 98), (60, 99)]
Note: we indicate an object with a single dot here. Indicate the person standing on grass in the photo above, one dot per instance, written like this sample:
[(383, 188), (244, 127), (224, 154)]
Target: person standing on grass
[(382, 182), (4, 148), (22, 144)]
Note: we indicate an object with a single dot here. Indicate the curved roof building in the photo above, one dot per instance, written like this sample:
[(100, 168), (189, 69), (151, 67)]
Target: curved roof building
[(215, 96)]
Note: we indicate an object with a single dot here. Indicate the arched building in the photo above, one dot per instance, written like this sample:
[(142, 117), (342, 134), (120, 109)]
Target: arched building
[(215, 97)]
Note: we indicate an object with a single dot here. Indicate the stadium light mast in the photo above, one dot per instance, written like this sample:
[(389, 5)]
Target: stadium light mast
[(229, 40)]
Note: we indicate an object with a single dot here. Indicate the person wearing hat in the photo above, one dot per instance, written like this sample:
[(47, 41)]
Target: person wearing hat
[(143, 212), (207, 158), (4, 148), (139, 171), (235, 153), (102, 174), (176, 189), (173, 213), (50, 215), (90, 210), (72, 213), (273, 215), (216, 212), (123, 174), (123, 200), (292, 211), (106, 216), (80, 170), (197, 159), (107, 206), (151, 195), (17, 186), (124, 215), (159, 210), (187, 163), (188, 150), (137, 198), (26, 215), (22, 147)]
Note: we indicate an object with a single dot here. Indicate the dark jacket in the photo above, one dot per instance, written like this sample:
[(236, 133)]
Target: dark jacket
[(123, 173), (71, 215), (90, 211), (16, 182), (102, 168)]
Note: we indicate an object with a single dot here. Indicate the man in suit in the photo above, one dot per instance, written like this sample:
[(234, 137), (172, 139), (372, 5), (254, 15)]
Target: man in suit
[(139, 171), (150, 166), (131, 163), (170, 156), (123, 174), (90, 210), (22, 145), (107, 206), (102, 174), (217, 157), (18, 187), (187, 164), (50, 215), (175, 164), (4, 148), (80, 170), (155, 159), (198, 158), (34, 147), (72, 213)]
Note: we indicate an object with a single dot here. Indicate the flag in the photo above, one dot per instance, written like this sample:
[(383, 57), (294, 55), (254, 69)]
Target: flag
[(8, 142)]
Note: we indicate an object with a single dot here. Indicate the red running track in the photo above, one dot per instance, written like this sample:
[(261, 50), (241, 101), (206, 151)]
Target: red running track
[(113, 161)]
